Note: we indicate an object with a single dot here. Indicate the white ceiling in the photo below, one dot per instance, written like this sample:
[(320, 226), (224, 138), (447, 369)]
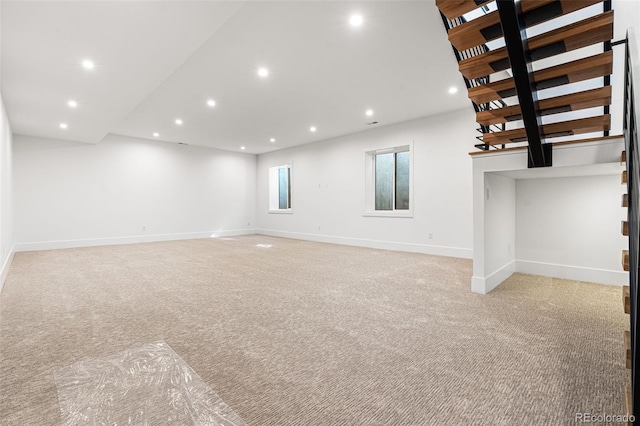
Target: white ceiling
[(161, 60)]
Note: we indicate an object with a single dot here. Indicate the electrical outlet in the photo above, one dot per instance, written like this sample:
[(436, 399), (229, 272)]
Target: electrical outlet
[(144, 228), (248, 223), (430, 236), (319, 227)]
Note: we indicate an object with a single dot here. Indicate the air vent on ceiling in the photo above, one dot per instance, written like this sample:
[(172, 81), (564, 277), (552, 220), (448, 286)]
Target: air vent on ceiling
[(373, 122)]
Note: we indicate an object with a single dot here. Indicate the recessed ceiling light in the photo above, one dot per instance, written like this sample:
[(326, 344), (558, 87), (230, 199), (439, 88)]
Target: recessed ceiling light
[(356, 20), (243, 148), (211, 103), (178, 122), (156, 134), (272, 140), (263, 72), (312, 129), (63, 125), (369, 112), (88, 64), (72, 104), (453, 89)]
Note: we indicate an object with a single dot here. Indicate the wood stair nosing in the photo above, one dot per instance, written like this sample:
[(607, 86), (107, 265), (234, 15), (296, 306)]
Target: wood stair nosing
[(624, 228), (627, 349), (454, 8), (487, 27), (592, 30), (571, 72), (572, 102), (623, 158), (624, 177), (626, 299), (625, 260), (564, 128), (625, 200)]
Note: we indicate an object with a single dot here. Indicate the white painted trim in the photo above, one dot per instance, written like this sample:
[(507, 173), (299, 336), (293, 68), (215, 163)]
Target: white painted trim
[(465, 253), (577, 273), (485, 285), (53, 245), (5, 268), (389, 213)]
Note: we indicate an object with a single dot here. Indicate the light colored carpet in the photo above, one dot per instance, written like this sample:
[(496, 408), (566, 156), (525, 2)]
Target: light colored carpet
[(305, 333)]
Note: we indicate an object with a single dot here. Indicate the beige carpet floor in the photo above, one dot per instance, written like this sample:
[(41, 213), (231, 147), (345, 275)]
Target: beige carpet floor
[(304, 333)]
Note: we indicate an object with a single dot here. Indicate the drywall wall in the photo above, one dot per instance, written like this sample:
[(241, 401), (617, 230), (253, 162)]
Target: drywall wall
[(580, 161), (128, 190), (6, 194), (570, 228), (500, 230), (328, 188)]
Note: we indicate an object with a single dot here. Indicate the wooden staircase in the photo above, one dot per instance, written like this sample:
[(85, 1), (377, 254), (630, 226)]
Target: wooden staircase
[(474, 25), (626, 294)]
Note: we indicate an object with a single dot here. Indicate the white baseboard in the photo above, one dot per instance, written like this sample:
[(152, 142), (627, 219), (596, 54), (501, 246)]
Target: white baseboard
[(53, 245), (577, 273), (377, 244), (5, 267), (485, 285)]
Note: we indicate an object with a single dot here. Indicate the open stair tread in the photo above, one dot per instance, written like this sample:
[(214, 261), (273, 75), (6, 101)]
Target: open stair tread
[(625, 260), (570, 72), (454, 8), (571, 102), (626, 299), (627, 349), (592, 30), (564, 128), (487, 27), (625, 200)]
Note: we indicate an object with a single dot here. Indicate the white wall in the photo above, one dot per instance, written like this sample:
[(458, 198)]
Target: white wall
[(500, 231), (71, 194), (570, 228), (593, 159), (328, 195), (6, 195)]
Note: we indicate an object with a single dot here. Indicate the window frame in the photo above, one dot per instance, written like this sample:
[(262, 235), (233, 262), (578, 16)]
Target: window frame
[(370, 182), (274, 189)]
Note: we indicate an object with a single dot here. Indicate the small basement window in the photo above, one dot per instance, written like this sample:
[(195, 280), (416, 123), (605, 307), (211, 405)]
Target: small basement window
[(280, 189), (388, 182)]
